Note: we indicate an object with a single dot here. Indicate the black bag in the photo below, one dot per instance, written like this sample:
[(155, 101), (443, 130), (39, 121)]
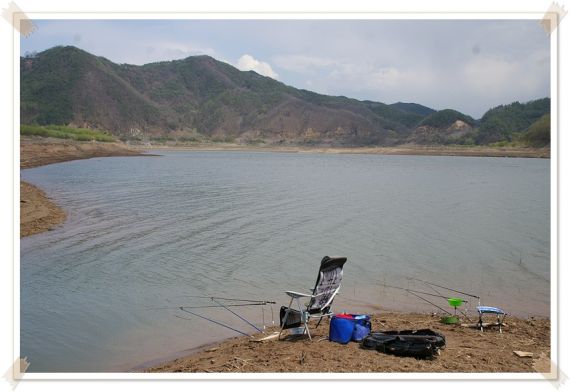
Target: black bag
[(293, 319), (422, 343)]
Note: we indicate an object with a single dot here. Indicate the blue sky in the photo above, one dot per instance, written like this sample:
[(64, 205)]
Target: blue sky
[(467, 65)]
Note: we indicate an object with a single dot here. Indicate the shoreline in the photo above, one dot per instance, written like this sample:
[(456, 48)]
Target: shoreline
[(476, 151), (467, 350), (38, 212)]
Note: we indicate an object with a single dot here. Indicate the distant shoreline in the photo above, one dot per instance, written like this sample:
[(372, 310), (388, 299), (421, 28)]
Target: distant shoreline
[(476, 151)]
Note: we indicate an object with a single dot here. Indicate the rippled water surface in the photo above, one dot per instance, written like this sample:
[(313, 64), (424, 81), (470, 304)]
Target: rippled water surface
[(145, 234)]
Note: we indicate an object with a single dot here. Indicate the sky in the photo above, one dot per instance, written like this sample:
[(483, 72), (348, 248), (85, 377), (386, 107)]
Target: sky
[(466, 65)]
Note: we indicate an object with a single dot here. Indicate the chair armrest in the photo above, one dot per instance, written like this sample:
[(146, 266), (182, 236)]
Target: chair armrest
[(294, 294)]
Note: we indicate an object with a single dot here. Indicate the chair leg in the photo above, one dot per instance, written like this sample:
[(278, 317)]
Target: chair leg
[(320, 319), (304, 318), (308, 332), (307, 329)]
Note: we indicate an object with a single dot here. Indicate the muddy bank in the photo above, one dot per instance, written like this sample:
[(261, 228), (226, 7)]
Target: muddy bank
[(37, 212), (43, 151), (467, 350)]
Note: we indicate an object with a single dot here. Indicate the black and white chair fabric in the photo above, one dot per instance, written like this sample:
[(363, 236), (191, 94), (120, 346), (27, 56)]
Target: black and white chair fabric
[(320, 301)]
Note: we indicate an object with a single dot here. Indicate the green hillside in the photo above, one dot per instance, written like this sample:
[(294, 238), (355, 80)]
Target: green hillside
[(538, 134), (200, 98), (197, 95), (415, 108), (445, 118), (501, 122)]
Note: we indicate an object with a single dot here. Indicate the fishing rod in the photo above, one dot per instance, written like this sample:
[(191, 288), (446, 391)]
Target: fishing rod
[(237, 315), (429, 302), (447, 288), (209, 319), (433, 295), (417, 291), (230, 299), (204, 306), (248, 302)]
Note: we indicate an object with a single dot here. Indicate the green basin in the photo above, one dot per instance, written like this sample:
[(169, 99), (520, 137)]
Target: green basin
[(455, 302)]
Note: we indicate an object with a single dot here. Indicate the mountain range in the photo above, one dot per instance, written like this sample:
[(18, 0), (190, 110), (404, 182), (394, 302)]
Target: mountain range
[(200, 98)]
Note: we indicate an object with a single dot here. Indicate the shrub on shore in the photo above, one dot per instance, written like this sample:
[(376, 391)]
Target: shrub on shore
[(64, 132)]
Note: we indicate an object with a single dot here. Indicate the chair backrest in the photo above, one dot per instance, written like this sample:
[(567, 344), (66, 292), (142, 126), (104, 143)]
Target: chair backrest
[(328, 283)]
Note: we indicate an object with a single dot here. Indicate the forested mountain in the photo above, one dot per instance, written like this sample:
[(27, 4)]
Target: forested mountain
[(501, 122), (200, 98)]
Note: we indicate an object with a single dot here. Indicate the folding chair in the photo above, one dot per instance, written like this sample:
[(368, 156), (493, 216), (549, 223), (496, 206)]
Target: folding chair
[(491, 310), (326, 288)]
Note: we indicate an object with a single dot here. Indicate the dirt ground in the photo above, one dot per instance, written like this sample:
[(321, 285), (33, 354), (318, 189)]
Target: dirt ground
[(467, 350), (43, 151), (37, 212)]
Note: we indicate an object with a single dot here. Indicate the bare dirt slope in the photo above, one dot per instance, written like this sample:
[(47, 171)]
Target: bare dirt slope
[(467, 350), (43, 151), (37, 212)]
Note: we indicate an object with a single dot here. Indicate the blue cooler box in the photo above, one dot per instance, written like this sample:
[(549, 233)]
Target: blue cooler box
[(341, 329)]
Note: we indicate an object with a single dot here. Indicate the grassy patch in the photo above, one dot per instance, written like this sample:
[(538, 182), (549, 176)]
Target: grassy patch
[(63, 132)]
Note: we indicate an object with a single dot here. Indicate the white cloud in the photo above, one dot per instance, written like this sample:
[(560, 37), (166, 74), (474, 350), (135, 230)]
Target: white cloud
[(249, 63), (499, 80), (177, 50), (387, 83), (303, 63), (486, 74)]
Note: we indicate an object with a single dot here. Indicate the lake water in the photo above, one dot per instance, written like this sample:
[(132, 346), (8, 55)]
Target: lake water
[(146, 234)]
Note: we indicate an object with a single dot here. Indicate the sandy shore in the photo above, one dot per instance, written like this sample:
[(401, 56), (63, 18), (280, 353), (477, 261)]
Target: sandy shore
[(43, 151), (467, 350), (37, 212), (475, 151)]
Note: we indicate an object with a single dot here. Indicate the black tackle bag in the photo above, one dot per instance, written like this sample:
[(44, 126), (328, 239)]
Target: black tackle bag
[(421, 343)]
